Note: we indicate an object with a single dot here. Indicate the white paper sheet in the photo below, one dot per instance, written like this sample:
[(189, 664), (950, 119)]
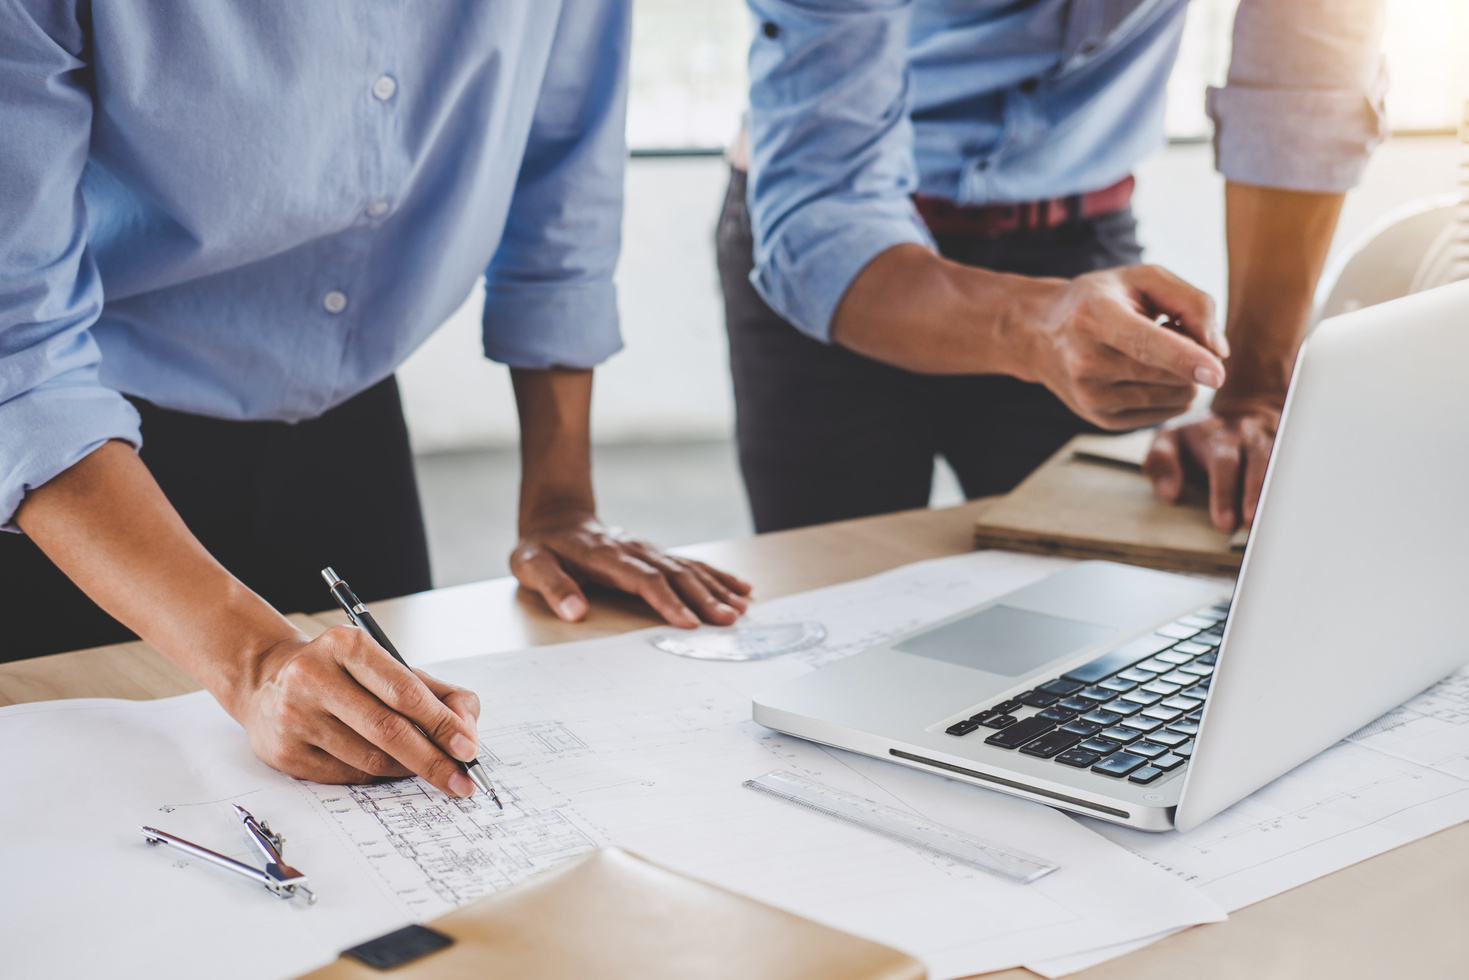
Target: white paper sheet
[(1399, 778), (603, 741)]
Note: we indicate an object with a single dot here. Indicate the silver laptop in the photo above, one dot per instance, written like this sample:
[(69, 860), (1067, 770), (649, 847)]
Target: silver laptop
[(1147, 698)]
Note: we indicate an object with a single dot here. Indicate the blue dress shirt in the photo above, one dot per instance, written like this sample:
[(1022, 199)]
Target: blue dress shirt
[(857, 104), (254, 210)]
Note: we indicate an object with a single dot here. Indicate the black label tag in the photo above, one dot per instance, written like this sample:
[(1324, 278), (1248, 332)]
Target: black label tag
[(397, 948)]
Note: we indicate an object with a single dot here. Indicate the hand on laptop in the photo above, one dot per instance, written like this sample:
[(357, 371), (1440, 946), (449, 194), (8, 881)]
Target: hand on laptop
[(1230, 447)]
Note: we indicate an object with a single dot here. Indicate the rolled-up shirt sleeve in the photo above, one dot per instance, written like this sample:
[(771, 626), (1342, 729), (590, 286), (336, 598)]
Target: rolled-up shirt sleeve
[(549, 295), (1303, 105), (53, 410), (832, 169)]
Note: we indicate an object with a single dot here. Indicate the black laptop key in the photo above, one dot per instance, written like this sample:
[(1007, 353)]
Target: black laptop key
[(1005, 707), (1140, 724), (1169, 762), (1077, 703), (1186, 727), (1197, 669), (1057, 713), (1118, 764), (1020, 733), (1135, 676), (1168, 738), (1154, 666), (1038, 698), (999, 721), (962, 727), (1119, 734), (1162, 688), (1145, 775), (1160, 713), (1124, 708), (1182, 703), (1118, 684), (1049, 744), (1148, 749), (1097, 694), (1208, 659), (1060, 687), (1078, 757), (1082, 728), (1186, 750), (1120, 659), (1102, 717), (1175, 656), (1102, 746), (1142, 696)]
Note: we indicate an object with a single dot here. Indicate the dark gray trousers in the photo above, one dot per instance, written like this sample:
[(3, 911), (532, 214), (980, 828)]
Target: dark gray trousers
[(826, 434), (274, 503)]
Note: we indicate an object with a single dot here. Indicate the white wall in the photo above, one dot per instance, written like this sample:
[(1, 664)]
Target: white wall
[(672, 380)]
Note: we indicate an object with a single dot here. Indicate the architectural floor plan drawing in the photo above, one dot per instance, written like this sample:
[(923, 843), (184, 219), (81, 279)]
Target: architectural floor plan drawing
[(436, 852)]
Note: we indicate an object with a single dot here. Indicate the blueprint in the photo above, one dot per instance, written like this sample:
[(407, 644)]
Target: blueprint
[(588, 743), (1404, 776)]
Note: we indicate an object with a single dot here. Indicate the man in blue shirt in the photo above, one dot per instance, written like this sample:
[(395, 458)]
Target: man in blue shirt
[(935, 252), (225, 224)]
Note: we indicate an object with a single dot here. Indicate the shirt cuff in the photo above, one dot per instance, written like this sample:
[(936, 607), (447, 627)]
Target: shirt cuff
[(807, 270), (545, 325), (1295, 139), (62, 426)]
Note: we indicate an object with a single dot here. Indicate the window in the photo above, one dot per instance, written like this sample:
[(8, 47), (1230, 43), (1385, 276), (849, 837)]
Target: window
[(689, 75)]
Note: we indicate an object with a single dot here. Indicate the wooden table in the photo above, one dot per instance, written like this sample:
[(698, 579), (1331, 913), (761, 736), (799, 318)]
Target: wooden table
[(1403, 913)]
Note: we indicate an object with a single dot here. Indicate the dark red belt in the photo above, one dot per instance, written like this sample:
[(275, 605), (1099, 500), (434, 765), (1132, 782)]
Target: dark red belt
[(944, 217)]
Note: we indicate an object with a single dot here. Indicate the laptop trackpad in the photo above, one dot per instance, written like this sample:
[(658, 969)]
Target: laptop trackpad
[(1004, 640)]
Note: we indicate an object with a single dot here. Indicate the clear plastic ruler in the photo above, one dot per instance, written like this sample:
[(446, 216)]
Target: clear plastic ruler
[(905, 828)]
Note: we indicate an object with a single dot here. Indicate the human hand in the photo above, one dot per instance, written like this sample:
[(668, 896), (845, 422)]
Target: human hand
[(556, 555), (339, 709), (1099, 347), (1231, 446)]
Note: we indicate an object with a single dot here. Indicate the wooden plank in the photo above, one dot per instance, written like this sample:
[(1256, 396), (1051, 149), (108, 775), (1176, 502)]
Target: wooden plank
[(1082, 508)]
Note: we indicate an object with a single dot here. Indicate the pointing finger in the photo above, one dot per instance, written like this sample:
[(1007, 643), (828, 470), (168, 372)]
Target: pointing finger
[(1191, 309)]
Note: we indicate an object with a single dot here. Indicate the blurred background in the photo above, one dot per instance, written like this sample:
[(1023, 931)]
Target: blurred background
[(663, 411)]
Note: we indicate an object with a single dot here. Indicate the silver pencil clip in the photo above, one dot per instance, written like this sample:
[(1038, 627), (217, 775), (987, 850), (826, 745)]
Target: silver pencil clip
[(278, 876)]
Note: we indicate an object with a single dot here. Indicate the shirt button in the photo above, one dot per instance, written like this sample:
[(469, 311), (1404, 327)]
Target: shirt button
[(334, 301), (383, 88), (377, 208)]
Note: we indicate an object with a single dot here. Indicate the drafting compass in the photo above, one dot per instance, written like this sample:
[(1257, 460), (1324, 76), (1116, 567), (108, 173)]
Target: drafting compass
[(278, 876)]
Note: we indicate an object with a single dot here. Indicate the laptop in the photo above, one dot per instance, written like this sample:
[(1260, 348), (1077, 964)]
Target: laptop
[(1156, 700)]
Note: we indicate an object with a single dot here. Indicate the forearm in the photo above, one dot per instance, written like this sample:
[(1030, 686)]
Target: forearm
[(555, 444), (1278, 241), (918, 311), (108, 526)]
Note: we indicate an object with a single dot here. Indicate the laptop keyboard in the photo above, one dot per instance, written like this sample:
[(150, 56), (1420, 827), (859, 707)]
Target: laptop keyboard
[(1132, 713)]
